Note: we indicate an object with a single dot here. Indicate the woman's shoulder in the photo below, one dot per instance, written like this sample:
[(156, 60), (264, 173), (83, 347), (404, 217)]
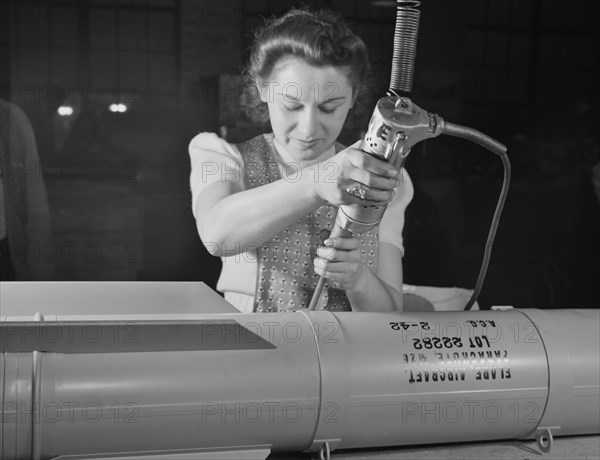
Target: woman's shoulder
[(208, 146), (404, 192), (397, 207), (208, 141), (211, 141)]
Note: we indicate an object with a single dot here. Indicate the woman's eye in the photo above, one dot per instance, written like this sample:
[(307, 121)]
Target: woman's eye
[(328, 110), (296, 108)]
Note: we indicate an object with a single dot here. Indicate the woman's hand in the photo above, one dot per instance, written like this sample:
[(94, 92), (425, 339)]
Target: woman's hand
[(353, 169), (339, 260)]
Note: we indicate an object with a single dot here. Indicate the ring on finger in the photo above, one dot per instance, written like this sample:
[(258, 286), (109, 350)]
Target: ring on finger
[(357, 191)]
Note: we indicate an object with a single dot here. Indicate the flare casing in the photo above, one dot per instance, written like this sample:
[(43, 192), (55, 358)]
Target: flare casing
[(294, 381)]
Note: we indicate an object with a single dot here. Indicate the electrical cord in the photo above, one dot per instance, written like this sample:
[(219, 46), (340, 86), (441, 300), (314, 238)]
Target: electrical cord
[(499, 149)]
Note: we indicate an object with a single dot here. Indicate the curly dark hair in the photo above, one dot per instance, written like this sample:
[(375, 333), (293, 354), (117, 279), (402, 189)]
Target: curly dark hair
[(320, 38)]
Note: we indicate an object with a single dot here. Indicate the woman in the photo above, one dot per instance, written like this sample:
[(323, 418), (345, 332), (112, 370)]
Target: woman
[(262, 205)]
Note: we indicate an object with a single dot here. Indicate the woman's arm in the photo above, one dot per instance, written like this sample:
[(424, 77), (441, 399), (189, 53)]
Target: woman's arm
[(340, 261), (231, 220), (381, 291)]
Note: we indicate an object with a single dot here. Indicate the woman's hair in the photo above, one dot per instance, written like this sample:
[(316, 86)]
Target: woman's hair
[(320, 38)]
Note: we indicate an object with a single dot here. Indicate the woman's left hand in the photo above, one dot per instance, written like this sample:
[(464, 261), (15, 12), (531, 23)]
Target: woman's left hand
[(339, 260)]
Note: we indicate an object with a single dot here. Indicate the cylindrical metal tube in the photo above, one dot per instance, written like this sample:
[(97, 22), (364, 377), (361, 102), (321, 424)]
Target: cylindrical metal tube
[(350, 379), (173, 401)]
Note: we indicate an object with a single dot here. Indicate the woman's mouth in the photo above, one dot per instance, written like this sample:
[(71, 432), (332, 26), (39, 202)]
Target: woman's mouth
[(307, 143)]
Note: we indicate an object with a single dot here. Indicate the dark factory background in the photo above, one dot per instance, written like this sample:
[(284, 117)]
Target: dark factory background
[(115, 90)]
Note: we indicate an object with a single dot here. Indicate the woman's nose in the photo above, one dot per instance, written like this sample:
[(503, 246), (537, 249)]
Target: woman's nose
[(307, 125)]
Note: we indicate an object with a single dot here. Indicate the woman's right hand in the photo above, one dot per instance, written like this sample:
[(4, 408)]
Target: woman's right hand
[(353, 168)]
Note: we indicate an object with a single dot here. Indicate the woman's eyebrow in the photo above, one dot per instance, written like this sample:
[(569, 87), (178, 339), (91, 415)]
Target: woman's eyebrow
[(289, 98), (334, 99), (295, 99)]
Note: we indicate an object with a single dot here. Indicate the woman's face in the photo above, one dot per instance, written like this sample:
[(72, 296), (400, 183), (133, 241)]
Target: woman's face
[(307, 106)]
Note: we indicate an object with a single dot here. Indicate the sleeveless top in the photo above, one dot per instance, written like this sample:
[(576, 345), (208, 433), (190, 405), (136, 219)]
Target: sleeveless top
[(285, 277)]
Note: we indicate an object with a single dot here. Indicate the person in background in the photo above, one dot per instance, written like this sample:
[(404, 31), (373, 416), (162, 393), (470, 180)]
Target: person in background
[(266, 205), (25, 233)]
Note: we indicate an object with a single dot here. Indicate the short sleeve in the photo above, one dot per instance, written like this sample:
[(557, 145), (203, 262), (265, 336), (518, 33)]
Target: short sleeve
[(213, 160), (392, 223)]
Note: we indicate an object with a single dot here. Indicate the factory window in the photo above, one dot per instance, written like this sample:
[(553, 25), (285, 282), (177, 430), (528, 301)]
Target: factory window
[(531, 52), (99, 55)]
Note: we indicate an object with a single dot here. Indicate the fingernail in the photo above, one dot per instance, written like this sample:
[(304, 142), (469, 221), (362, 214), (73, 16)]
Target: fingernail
[(393, 173), (323, 234), (328, 243)]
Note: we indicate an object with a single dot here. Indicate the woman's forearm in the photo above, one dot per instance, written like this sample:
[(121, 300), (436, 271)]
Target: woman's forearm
[(231, 221), (373, 294)]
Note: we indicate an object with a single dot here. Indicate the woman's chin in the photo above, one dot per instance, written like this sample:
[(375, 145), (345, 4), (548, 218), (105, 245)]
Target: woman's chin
[(307, 151)]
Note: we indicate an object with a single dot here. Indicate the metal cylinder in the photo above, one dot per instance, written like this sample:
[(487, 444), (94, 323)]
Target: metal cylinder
[(349, 379), (456, 377)]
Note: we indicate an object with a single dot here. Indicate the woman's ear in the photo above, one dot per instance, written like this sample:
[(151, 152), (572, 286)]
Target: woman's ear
[(354, 96), (263, 91)]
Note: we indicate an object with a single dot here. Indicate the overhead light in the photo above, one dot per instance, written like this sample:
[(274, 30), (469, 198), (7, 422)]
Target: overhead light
[(65, 110), (120, 108)]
